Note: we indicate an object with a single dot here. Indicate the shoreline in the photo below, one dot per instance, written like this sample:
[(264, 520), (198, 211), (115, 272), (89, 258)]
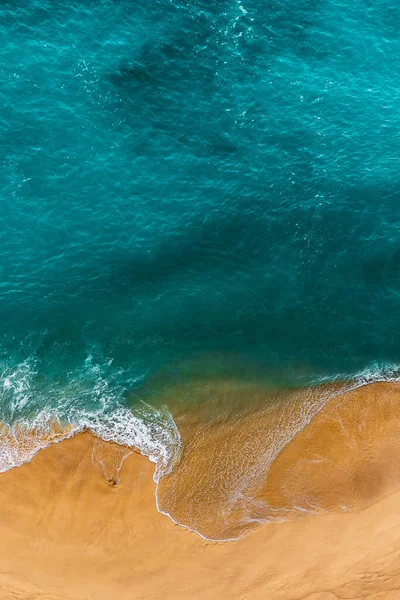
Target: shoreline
[(80, 522)]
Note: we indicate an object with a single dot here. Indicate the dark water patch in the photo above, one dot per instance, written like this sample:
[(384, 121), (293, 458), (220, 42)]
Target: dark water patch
[(188, 178)]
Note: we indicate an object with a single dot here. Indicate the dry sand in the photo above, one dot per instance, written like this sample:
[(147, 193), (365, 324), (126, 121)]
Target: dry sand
[(66, 532)]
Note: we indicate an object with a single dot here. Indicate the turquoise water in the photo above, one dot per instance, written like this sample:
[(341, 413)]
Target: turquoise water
[(193, 179)]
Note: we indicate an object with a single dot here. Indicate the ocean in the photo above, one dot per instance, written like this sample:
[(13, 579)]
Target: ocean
[(192, 192)]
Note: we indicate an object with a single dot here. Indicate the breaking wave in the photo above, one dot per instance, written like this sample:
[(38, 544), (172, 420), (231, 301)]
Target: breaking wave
[(95, 405)]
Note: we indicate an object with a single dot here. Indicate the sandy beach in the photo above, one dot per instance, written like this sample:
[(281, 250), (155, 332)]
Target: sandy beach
[(79, 522)]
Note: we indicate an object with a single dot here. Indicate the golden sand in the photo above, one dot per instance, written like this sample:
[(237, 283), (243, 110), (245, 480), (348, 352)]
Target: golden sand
[(240, 472), (80, 522)]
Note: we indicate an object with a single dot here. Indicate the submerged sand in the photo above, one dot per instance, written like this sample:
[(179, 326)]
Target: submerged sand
[(80, 521)]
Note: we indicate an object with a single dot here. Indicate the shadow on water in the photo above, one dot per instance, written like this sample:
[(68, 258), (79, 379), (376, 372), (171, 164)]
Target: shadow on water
[(314, 286), (206, 244)]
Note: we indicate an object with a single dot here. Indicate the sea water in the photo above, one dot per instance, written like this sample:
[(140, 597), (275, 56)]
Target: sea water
[(212, 184)]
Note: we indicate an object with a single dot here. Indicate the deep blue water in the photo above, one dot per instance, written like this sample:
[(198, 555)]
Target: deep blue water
[(184, 179)]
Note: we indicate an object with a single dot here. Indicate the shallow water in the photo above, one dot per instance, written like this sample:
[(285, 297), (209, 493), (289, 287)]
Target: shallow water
[(193, 184)]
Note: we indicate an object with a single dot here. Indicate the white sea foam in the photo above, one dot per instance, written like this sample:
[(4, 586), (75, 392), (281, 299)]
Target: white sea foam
[(65, 412), (16, 383), (20, 442), (152, 432), (374, 373)]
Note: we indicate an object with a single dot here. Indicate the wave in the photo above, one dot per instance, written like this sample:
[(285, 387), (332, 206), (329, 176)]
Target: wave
[(41, 414), (231, 482), (374, 373), (152, 432)]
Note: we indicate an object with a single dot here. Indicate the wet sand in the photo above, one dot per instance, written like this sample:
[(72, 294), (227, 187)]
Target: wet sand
[(80, 522)]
